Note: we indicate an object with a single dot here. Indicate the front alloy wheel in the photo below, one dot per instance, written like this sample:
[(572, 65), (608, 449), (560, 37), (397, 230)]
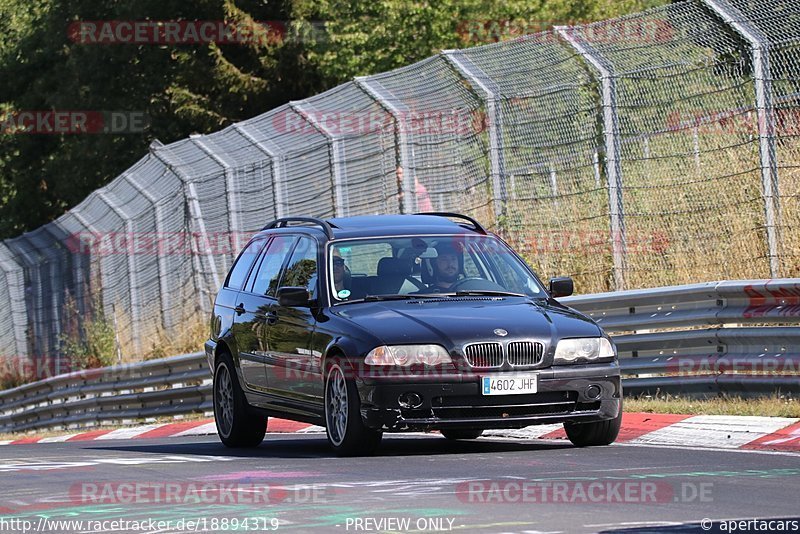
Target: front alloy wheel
[(346, 432)]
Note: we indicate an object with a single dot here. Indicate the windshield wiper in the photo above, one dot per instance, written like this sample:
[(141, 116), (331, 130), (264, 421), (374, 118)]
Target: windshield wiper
[(377, 298), (487, 292), (409, 296)]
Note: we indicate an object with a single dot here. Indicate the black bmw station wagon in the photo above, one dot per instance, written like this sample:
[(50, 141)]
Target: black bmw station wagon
[(376, 324)]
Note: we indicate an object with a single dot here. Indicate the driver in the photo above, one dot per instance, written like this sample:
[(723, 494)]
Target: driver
[(341, 278), (445, 267)]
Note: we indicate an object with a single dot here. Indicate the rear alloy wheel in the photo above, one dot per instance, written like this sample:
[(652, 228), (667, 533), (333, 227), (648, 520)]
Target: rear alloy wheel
[(237, 425), (465, 433), (346, 432), (596, 433)]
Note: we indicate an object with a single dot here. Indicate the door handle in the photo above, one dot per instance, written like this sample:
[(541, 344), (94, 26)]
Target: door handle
[(239, 309)]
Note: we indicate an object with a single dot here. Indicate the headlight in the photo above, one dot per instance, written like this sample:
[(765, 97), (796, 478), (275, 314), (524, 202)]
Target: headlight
[(585, 348), (405, 355)]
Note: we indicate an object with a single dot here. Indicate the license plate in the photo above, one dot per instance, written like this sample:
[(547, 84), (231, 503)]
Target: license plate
[(509, 384)]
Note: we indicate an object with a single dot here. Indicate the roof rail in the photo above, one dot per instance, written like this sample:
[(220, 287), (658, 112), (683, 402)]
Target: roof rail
[(475, 224), (283, 222)]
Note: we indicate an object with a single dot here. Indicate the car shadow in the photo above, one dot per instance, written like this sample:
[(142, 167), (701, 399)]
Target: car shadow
[(277, 446)]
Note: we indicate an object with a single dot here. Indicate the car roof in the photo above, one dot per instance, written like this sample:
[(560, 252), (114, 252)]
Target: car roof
[(386, 225)]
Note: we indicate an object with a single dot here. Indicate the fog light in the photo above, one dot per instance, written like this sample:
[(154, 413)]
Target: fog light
[(594, 391), (410, 400)]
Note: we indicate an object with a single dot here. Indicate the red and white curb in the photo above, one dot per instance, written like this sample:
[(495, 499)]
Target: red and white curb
[(712, 431)]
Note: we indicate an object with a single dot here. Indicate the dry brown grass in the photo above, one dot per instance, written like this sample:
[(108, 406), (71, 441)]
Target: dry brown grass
[(188, 338), (768, 406)]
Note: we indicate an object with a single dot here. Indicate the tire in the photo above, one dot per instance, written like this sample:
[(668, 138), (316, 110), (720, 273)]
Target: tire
[(466, 433), (237, 425), (594, 434), (346, 432)]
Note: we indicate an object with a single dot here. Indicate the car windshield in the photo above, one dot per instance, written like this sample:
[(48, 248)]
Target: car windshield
[(391, 267)]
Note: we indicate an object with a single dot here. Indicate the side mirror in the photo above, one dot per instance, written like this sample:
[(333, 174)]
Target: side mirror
[(561, 287), (293, 297)]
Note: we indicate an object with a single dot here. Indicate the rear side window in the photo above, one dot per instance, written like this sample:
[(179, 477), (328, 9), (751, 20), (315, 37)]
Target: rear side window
[(266, 279), (302, 268), (243, 263)]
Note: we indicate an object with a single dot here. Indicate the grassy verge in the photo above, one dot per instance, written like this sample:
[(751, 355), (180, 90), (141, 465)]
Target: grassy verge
[(769, 406)]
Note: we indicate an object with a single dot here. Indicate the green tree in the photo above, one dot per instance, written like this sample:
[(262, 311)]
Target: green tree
[(367, 37), (183, 89)]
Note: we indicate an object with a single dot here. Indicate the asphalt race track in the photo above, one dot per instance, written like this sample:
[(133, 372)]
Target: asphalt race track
[(418, 483)]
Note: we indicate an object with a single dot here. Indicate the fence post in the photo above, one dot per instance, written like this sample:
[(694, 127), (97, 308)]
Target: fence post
[(132, 279), (160, 234), (89, 226), (276, 156), (233, 223), (759, 43), (402, 119), (16, 309), (58, 291), (156, 148), (612, 149), (341, 207), (482, 81)]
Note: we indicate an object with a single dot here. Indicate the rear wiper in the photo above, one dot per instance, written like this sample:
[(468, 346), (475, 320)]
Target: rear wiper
[(488, 292)]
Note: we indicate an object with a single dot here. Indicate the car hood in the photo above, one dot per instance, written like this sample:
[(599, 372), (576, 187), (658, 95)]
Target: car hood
[(462, 320)]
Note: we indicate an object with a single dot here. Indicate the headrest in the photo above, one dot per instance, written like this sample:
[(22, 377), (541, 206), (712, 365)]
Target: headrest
[(448, 247), (394, 267)]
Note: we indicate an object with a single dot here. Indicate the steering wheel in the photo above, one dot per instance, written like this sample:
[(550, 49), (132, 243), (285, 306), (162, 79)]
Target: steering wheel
[(475, 283)]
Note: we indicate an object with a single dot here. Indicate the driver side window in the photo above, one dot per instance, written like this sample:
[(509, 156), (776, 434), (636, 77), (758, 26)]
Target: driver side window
[(471, 269)]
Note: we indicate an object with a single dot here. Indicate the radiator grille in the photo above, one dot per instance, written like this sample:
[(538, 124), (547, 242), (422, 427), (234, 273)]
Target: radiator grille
[(525, 353), (484, 355)]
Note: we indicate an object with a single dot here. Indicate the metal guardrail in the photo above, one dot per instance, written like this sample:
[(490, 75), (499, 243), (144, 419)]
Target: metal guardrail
[(708, 357), (704, 339), (110, 395)]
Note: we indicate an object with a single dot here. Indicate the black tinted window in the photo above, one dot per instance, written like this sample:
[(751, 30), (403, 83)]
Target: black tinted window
[(302, 268), (266, 279), (243, 262)]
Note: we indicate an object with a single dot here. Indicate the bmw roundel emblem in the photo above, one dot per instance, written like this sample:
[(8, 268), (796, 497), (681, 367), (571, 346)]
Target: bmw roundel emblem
[(500, 332)]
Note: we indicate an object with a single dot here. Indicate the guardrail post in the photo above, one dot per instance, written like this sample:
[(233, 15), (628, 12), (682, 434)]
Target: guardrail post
[(485, 84), (341, 208), (233, 223), (161, 152), (762, 80), (132, 280), (278, 163), (612, 148), (162, 264), (402, 120)]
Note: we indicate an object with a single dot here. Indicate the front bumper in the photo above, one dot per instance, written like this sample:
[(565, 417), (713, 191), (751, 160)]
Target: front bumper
[(455, 400)]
